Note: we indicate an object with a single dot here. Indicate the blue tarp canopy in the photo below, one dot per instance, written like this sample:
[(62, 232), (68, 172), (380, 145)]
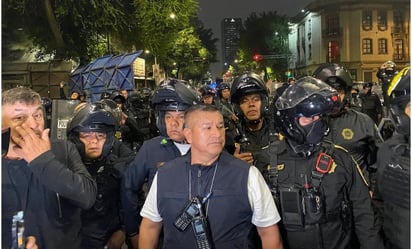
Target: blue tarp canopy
[(106, 73)]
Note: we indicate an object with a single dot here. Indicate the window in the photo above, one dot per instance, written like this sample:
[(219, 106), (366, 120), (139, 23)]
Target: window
[(367, 46), (367, 20), (382, 46), (382, 21), (353, 74), (398, 49), (398, 21), (332, 25), (333, 51)]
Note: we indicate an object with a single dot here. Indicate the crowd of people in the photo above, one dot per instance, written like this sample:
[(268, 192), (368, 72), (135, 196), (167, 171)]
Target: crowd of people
[(222, 166)]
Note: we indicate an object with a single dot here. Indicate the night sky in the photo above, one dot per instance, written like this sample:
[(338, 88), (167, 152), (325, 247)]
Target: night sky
[(212, 12)]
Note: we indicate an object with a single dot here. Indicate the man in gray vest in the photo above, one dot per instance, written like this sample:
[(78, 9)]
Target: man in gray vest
[(208, 198)]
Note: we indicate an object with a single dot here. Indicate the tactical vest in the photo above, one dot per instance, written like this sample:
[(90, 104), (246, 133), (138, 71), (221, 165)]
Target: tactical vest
[(395, 190), (228, 209), (303, 206)]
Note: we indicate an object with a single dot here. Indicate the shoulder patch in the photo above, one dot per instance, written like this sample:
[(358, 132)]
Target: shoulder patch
[(332, 168), (347, 133)]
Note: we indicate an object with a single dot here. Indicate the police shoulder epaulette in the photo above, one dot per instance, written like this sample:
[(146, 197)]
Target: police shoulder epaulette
[(356, 164)]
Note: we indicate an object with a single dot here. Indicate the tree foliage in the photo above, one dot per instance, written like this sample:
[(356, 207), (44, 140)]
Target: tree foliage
[(264, 34), (68, 29), (157, 28), (83, 30)]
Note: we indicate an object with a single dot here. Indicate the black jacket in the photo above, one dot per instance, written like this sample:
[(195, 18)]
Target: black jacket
[(153, 153), (51, 191), (343, 194), (393, 191), (357, 133), (105, 217)]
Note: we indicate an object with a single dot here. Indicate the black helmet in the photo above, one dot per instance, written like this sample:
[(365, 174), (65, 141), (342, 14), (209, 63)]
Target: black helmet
[(246, 84), (386, 71), (399, 92), (334, 75), (389, 67), (111, 106), (308, 97), (91, 118), (105, 95), (117, 97), (221, 87), (207, 90), (172, 95), (367, 84)]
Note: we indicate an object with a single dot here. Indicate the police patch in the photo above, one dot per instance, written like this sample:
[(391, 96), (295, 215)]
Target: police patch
[(347, 134)]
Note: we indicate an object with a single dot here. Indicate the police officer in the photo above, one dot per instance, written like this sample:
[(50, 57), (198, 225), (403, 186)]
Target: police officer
[(250, 98), (128, 132), (169, 102), (371, 104), (318, 186), (351, 129), (142, 112), (394, 166), (92, 130), (208, 94), (223, 195), (255, 131), (385, 73), (225, 105), (355, 101)]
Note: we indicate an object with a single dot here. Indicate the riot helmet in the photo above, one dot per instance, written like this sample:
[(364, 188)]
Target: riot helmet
[(367, 84), (91, 118), (386, 70), (246, 84), (308, 97), (172, 95), (207, 90), (399, 92), (334, 75), (221, 87), (117, 97)]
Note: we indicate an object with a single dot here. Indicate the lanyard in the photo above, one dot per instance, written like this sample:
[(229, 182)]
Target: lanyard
[(210, 190)]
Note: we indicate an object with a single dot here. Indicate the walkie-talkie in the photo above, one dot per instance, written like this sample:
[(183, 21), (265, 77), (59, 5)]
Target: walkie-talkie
[(202, 231), (188, 213)]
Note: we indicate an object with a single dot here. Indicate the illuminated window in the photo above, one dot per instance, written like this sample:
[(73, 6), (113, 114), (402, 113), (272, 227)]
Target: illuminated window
[(333, 51), (382, 46), (367, 46)]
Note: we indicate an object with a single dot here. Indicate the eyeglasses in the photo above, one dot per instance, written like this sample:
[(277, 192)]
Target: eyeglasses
[(89, 136)]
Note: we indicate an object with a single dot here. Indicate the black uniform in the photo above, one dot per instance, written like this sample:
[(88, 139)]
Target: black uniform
[(357, 133), (255, 142), (320, 208), (104, 218), (371, 106), (153, 153), (394, 190)]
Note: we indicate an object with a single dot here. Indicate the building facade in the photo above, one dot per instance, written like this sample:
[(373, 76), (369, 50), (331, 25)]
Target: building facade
[(360, 35), (231, 28)]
